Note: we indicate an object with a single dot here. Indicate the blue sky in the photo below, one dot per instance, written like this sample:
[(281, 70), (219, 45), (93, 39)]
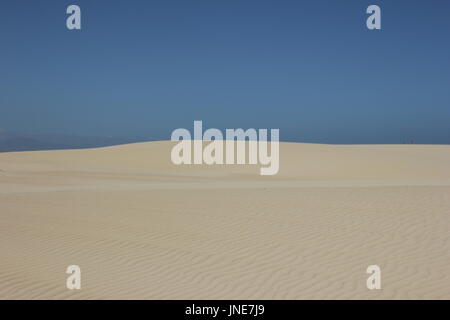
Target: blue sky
[(310, 68)]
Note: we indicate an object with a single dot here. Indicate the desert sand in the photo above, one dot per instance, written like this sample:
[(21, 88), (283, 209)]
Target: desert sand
[(140, 227)]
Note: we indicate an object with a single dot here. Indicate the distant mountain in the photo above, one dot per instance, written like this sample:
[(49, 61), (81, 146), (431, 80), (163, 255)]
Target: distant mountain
[(21, 142)]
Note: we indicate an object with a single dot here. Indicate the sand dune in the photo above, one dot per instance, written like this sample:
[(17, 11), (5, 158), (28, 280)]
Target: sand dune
[(142, 228)]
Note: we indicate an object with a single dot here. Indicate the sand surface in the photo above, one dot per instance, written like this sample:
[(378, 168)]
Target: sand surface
[(142, 228)]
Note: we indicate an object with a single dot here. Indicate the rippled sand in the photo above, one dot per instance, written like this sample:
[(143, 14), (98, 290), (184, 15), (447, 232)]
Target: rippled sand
[(142, 228)]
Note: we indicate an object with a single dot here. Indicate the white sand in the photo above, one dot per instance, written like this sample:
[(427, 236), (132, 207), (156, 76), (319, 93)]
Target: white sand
[(140, 227)]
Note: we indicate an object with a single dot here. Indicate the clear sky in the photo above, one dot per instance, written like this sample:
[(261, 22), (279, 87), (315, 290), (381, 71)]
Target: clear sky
[(310, 68)]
